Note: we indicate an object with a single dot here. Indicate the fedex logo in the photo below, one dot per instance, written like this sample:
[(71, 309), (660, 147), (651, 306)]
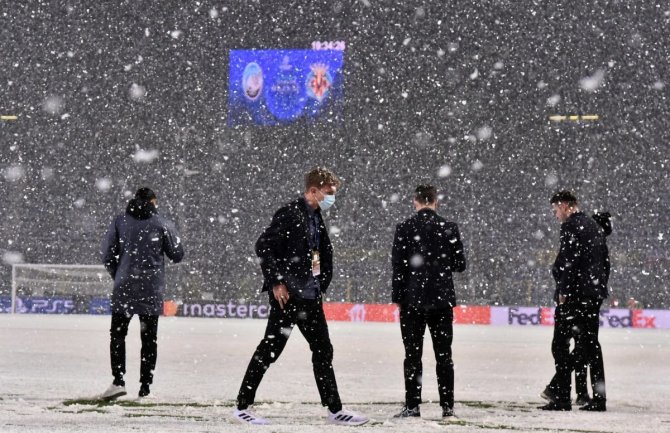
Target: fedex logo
[(618, 318), (530, 316), (641, 320)]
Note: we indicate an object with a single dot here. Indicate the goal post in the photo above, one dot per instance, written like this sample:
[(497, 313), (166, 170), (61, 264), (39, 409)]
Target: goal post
[(59, 288)]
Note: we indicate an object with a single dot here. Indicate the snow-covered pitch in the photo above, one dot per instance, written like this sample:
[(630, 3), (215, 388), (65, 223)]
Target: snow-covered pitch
[(52, 366)]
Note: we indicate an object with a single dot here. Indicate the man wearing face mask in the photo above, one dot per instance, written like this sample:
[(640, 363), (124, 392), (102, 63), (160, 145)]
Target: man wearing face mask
[(296, 258)]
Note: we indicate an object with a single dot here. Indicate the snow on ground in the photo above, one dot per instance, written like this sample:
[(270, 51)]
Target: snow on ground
[(48, 360)]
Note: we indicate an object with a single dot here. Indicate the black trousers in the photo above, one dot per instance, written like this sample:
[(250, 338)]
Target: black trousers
[(581, 385), (564, 331), (588, 351), (579, 320), (308, 315), (117, 347), (413, 323)]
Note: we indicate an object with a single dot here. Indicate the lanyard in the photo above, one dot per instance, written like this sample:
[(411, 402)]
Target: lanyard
[(314, 229)]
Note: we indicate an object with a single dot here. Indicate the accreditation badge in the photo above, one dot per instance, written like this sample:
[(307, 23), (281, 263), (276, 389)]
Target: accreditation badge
[(316, 263)]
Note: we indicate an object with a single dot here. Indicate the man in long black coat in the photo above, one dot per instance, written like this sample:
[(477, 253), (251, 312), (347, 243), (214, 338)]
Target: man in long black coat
[(296, 258), (133, 252), (581, 273), (426, 250)]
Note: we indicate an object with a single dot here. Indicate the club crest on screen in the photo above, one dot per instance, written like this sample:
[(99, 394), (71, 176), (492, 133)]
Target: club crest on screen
[(252, 81), (319, 81)]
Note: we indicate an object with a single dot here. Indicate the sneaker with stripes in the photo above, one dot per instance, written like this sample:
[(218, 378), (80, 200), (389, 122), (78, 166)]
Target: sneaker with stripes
[(248, 417), (408, 412), (347, 417)]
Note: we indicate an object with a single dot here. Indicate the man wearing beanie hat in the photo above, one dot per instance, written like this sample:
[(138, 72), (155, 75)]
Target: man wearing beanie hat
[(132, 252)]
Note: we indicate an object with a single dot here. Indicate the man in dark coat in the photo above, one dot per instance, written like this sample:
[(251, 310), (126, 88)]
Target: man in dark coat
[(133, 253), (581, 370), (581, 272), (426, 250), (296, 257)]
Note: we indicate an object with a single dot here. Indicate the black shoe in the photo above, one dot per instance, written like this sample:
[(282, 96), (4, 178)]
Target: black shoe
[(595, 406), (407, 412), (448, 412), (144, 390), (558, 406), (582, 400), (548, 394)]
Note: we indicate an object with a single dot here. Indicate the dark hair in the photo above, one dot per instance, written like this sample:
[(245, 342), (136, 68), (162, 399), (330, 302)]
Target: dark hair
[(320, 177), (564, 197), (145, 194), (425, 194)]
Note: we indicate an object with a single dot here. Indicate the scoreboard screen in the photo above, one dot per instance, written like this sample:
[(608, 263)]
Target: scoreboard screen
[(279, 87)]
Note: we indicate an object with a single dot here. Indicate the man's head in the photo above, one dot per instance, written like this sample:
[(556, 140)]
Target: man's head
[(321, 186), (564, 204), (146, 194), (425, 196)]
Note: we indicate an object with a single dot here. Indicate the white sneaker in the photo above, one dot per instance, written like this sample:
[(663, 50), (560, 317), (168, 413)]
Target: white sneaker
[(347, 417), (113, 392), (248, 417)]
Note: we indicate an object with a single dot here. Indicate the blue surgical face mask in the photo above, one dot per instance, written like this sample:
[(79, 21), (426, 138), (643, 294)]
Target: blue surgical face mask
[(327, 202)]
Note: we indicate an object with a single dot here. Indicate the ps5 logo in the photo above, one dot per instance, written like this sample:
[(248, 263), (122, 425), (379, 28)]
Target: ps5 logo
[(51, 306)]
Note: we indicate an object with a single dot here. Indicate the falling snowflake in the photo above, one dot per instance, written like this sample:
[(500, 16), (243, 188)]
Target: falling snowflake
[(591, 83), (142, 155), (103, 184), (444, 171), (137, 92)]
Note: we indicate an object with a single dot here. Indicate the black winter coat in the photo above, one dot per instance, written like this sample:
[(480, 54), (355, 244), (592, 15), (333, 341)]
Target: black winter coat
[(582, 266), (133, 253), (284, 252), (426, 250)]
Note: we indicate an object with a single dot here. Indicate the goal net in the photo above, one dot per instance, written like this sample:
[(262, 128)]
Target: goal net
[(60, 289)]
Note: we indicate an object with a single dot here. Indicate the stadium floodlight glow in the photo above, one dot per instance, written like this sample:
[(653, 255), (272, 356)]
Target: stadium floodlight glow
[(573, 117)]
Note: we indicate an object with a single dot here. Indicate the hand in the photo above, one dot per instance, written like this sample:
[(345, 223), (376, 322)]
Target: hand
[(281, 294), (561, 299)]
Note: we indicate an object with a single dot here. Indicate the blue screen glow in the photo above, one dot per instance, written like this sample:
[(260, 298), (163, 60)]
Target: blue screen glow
[(279, 87)]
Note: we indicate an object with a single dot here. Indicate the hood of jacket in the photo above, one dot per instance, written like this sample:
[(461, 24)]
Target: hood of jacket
[(604, 219), (141, 209)]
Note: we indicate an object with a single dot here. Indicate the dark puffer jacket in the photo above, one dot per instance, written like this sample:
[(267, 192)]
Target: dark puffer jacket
[(133, 253)]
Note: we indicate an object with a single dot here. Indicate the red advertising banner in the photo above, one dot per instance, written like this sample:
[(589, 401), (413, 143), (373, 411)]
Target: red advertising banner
[(463, 314), (472, 315)]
